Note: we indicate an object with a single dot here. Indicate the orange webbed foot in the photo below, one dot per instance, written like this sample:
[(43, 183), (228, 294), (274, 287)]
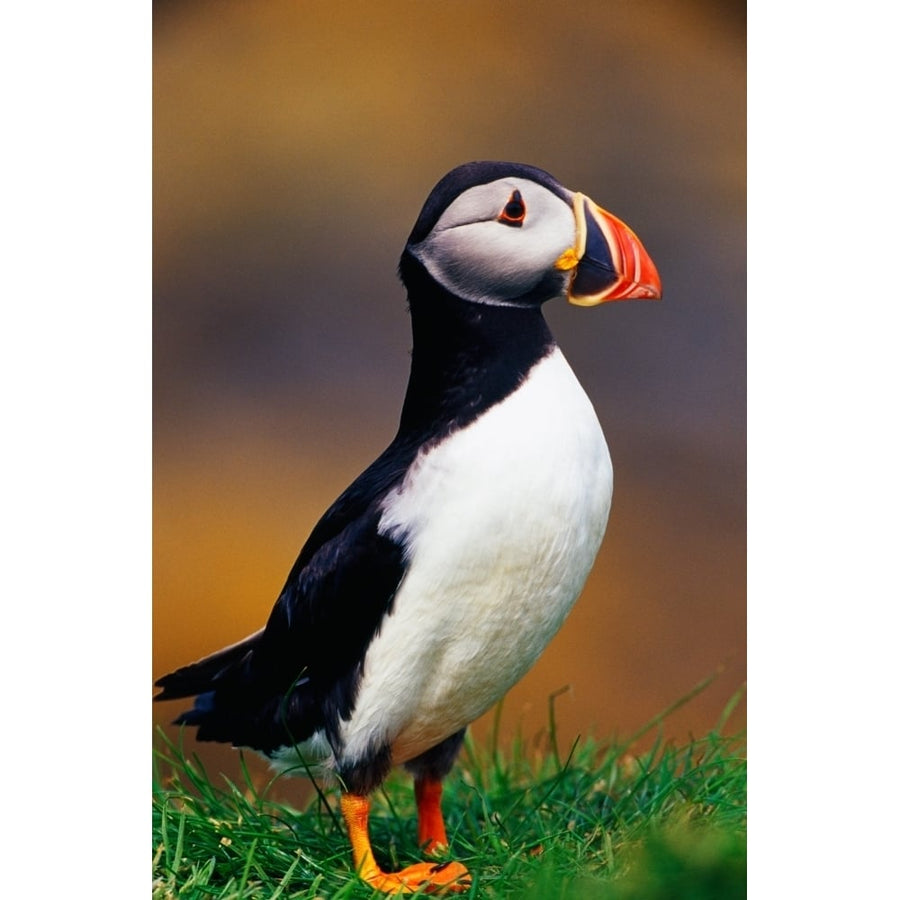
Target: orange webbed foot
[(429, 877)]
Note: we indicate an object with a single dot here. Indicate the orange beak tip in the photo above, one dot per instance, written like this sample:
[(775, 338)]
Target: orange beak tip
[(613, 264)]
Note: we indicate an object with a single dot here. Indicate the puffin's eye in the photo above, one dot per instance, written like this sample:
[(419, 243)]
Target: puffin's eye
[(514, 211)]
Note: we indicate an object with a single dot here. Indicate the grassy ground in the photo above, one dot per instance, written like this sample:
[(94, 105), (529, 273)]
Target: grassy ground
[(591, 822)]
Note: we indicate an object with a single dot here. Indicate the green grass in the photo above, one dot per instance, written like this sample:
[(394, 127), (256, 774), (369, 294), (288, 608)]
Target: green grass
[(595, 822)]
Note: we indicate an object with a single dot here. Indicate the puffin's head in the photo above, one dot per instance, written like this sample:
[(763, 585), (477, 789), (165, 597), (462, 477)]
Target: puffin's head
[(506, 234)]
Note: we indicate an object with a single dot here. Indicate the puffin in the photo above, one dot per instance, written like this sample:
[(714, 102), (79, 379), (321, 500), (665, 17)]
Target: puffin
[(437, 578)]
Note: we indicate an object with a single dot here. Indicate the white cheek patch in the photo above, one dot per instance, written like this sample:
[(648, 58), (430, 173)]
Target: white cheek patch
[(477, 257), (483, 261)]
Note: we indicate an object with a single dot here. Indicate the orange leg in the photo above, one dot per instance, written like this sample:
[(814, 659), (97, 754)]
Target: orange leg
[(433, 877), (432, 834)]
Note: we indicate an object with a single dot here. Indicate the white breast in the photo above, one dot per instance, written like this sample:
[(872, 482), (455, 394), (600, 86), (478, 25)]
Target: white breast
[(502, 522)]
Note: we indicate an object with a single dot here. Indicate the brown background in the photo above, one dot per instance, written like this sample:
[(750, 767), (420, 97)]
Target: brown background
[(294, 143)]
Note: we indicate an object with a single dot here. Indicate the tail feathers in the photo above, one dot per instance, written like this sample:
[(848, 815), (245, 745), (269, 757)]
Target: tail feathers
[(264, 725), (202, 677), (204, 704), (239, 700)]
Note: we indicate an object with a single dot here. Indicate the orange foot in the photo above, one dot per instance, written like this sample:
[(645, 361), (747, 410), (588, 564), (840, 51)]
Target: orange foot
[(432, 878)]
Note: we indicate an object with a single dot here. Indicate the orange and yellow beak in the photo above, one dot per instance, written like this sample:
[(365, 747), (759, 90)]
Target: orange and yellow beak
[(608, 260)]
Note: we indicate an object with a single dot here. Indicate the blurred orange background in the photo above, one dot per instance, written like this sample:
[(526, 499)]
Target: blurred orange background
[(294, 144)]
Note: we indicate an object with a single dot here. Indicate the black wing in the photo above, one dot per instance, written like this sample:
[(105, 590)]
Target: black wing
[(300, 673)]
